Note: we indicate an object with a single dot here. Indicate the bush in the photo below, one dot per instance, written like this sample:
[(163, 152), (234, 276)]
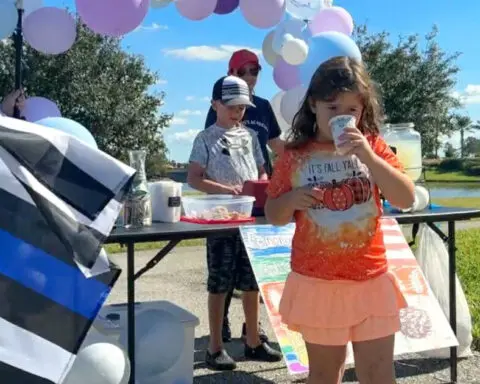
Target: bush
[(448, 165), (473, 170)]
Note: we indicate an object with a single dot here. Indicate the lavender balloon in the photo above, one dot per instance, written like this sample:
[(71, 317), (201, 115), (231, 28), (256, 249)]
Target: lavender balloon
[(194, 9), (335, 19), (226, 6), (286, 76), (38, 108), (263, 13), (50, 30), (112, 17)]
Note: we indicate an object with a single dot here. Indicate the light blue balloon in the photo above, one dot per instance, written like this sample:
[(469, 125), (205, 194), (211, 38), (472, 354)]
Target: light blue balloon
[(325, 46), (71, 127), (8, 18)]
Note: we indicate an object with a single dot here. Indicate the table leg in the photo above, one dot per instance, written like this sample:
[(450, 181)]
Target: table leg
[(157, 258), (453, 296), (131, 308)]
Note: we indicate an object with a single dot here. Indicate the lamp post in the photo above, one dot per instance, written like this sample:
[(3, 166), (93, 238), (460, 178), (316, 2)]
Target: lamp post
[(18, 43)]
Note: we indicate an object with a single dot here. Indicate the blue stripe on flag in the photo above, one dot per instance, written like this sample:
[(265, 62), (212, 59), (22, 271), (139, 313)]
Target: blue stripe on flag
[(50, 277)]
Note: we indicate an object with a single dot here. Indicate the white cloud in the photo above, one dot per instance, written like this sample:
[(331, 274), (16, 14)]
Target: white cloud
[(189, 112), (196, 98), (207, 52), (470, 95), (151, 27), (179, 121), (185, 136)]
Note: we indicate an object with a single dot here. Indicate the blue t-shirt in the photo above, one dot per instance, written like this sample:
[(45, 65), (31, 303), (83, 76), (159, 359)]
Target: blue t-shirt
[(260, 119)]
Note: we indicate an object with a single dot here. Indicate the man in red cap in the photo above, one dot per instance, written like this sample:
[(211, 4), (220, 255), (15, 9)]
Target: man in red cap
[(262, 120)]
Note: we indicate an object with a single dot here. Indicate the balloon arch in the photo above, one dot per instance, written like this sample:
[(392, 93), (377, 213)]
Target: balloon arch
[(303, 34)]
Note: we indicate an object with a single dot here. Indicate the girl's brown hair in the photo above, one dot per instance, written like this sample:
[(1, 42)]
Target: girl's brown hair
[(337, 75)]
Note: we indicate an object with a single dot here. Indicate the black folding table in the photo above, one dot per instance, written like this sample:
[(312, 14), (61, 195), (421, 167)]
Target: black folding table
[(175, 233)]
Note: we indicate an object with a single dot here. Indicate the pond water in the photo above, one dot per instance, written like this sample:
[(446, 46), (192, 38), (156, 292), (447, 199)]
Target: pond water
[(437, 190), (451, 190)]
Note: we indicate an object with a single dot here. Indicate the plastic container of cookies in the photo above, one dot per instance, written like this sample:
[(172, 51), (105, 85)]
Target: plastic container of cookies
[(217, 208)]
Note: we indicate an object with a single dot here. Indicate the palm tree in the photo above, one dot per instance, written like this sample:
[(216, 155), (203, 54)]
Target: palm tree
[(464, 124)]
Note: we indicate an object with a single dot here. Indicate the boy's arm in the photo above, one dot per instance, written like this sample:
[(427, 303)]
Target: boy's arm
[(262, 174), (197, 180), (257, 153)]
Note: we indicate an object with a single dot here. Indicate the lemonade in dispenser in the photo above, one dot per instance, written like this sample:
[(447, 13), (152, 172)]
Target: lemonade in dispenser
[(406, 142)]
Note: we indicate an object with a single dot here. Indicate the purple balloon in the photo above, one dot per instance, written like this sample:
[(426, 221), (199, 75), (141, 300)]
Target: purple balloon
[(112, 17), (50, 30), (38, 108), (194, 9), (336, 19), (226, 6), (263, 13), (286, 76)]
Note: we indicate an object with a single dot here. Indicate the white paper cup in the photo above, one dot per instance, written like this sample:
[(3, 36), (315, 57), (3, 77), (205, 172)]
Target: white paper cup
[(338, 125)]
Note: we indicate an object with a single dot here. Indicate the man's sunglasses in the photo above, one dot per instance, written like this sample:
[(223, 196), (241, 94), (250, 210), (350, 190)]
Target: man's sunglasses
[(251, 71)]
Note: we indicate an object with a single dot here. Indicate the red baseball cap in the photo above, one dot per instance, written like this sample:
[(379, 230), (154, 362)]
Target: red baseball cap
[(241, 58)]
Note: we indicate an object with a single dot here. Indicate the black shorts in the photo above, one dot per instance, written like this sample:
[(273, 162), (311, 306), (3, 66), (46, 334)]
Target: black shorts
[(228, 265)]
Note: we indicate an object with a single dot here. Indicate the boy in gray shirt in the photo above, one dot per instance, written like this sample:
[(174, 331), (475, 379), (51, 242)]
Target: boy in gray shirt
[(223, 157)]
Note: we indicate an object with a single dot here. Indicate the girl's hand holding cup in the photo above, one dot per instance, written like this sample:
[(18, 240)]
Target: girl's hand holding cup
[(349, 139)]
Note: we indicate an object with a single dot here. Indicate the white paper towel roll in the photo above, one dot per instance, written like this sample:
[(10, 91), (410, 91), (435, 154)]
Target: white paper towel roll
[(166, 201)]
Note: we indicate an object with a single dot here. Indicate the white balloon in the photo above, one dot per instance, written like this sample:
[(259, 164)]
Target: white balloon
[(276, 103), (291, 102), (99, 363), (295, 51), (160, 3), (268, 53), (422, 198), (292, 27)]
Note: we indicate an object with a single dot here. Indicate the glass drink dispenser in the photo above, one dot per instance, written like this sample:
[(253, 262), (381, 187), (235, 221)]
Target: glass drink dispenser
[(406, 142)]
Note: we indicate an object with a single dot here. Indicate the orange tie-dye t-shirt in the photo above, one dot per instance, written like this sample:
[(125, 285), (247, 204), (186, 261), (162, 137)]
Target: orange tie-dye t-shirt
[(339, 238)]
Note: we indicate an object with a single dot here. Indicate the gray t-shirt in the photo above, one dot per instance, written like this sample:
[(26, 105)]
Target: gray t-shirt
[(229, 156)]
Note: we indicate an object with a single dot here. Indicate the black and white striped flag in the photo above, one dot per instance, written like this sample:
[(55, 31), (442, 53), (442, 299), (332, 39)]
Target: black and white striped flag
[(59, 199)]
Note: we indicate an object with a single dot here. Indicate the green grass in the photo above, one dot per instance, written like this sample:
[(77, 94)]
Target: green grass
[(459, 202), (468, 264), (435, 175)]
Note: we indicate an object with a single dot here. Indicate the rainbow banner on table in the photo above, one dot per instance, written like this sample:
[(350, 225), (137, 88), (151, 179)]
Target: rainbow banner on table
[(424, 325)]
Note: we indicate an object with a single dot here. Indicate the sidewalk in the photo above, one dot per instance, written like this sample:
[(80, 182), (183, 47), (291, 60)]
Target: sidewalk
[(181, 278)]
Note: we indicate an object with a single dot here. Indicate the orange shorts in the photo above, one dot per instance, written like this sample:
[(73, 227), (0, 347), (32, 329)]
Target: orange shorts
[(335, 312)]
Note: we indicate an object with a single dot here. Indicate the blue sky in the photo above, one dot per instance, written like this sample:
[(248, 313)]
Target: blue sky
[(191, 55)]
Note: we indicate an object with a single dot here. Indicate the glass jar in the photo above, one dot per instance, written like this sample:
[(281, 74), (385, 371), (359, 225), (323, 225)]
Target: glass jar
[(138, 204), (406, 142)]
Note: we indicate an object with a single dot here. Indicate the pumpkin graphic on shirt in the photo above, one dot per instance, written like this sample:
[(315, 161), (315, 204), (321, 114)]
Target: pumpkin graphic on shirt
[(343, 191), (319, 189), (338, 197), (361, 188)]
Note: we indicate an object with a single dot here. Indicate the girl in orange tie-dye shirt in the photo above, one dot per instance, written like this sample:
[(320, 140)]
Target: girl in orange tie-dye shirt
[(339, 289)]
